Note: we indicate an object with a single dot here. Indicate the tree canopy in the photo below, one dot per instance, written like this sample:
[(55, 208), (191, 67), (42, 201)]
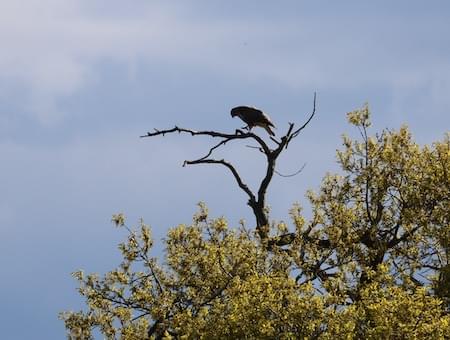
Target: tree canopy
[(372, 261)]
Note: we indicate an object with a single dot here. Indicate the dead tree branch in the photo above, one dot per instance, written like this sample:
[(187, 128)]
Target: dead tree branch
[(255, 201), (293, 174)]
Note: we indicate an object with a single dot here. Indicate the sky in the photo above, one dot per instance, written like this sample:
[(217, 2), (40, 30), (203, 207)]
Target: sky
[(81, 80)]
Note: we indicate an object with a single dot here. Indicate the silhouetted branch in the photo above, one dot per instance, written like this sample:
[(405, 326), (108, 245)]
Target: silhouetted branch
[(213, 148), (256, 147), (237, 135), (241, 184), (296, 132), (256, 201), (274, 140), (291, 175)]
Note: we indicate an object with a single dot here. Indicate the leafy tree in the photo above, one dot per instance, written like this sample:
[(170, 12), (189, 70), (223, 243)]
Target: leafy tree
[(371, 263)]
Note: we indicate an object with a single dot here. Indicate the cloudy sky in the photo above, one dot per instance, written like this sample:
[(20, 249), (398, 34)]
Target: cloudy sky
[(81, 80)]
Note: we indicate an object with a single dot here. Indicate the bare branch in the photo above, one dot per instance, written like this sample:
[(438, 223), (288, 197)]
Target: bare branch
[(255, 147), (271, 162), (237, 135), (256, 201), (271, 159), (296, 132), (291, 175), (274, 140), (241, 184), (192, 132), (215, 147), (286, 138)]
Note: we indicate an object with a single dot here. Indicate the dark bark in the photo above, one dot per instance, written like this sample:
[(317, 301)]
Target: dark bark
[(256, 201)]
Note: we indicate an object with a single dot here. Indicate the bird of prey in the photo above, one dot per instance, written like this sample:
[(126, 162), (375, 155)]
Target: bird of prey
[(253, 117)]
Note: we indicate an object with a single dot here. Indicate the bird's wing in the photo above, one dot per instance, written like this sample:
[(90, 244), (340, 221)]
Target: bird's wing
[(250, 115), (266, 119), (253, 116)]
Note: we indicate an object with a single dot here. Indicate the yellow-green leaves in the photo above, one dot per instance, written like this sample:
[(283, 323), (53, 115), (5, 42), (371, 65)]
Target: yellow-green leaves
[(371, 262), (360, 117), (118, 219)]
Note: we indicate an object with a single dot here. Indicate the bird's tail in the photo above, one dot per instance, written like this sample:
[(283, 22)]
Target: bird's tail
[(269, 130)]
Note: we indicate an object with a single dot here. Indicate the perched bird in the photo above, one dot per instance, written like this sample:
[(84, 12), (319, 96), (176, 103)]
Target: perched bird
[(253, 117)]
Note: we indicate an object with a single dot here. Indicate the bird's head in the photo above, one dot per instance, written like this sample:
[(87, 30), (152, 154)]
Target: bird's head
[(234, 112)]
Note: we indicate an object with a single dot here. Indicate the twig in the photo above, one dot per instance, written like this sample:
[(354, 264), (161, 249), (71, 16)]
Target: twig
[(215, 147), (291, 175), (255, 147), (216, 134), (296, 132), (256, 200), (241, 184)]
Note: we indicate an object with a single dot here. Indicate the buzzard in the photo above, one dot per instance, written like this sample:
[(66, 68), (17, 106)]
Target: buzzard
[(253, 117)]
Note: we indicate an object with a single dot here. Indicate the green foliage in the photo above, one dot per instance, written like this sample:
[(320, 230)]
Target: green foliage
[(371, 263)]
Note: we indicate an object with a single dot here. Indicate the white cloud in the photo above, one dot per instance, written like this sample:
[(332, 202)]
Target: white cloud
[(50, 48), (53, 47)]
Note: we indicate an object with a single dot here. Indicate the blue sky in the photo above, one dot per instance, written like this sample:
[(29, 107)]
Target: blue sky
[(81, 80)]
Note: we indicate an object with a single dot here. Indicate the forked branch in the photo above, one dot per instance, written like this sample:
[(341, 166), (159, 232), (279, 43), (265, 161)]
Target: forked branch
[(255, 201)]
